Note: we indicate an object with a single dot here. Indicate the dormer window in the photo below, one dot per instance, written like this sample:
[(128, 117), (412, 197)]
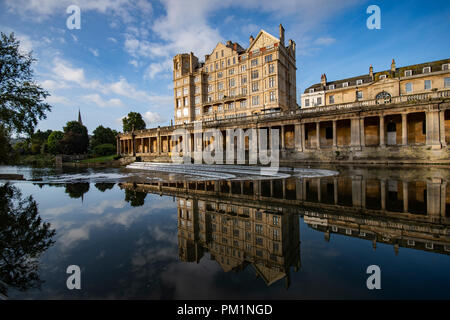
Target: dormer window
[(446, 67), (345, 84), (331, 87), (383, 76), (311, 90), (359, 82), (408, 73), (426, 70)]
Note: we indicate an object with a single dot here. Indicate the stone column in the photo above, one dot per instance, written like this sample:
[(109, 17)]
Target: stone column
[(158, 142), (118, 146), (362, 133), (318, 134), (404, 129), (432, 123), (298, 137), (298, 189), (303, 136), (405, 196), (443, 198), (382, 131), (133, 144), (282, 138), (363, 192), (442, 127), (355, 134), (334, 133)]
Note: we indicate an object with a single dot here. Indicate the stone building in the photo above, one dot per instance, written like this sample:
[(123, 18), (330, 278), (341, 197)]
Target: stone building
[(236, 82), (413, 79)]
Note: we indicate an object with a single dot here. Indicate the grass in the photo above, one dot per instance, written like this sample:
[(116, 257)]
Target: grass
[(99, 159), (39, 160)]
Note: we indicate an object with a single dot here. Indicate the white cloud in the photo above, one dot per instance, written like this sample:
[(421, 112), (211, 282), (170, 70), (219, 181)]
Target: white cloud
[(158, 67), (64, 72), (114, 40), (134, 63), (99, 101), (152, 118), (41, 10), (52, 99), (94, 52)]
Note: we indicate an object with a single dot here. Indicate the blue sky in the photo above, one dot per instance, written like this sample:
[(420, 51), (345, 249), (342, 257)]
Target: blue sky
[(121, 58)]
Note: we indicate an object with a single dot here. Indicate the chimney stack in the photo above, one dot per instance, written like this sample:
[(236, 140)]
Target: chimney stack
[(281, 34), (191, 62), (251, 39), (393, 65), (371, 71), (235, 46), (323, 80)]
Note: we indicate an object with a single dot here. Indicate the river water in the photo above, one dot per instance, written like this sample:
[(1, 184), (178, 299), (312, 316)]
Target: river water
[(182, 234)]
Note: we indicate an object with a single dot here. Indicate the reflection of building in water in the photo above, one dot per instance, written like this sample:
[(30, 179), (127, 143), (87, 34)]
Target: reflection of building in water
[(236, 236), (406, 213)]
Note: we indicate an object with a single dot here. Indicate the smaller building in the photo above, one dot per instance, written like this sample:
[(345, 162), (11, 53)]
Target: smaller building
[(413, 79)]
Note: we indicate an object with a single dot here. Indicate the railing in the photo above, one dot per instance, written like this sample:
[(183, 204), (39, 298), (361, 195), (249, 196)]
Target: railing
[(336, 107)]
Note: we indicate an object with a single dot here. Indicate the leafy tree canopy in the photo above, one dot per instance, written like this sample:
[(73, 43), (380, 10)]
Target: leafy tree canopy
[(21, 98), (133, 120), (102, 135)]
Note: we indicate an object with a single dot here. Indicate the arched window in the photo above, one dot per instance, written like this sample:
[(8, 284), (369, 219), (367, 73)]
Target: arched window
[(383, 95)]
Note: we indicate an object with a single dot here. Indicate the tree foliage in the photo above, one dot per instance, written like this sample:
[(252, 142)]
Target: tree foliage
[(22, 100), (102, 135), (76, 139), (133, 120), (5, 146), (54, 142), (135, 198), (23, 238)]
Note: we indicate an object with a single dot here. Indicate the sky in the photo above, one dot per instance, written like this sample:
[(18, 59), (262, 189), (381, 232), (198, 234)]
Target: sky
[(120, 60)]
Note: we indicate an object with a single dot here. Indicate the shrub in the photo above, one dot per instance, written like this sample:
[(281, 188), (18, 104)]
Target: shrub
[(104, 149)]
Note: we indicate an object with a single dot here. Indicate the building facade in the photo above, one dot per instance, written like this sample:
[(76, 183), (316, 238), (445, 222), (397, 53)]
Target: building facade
[(236, 82), (413, 79)]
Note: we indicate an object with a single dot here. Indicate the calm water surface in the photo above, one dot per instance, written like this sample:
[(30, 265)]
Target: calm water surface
[(295, 238)]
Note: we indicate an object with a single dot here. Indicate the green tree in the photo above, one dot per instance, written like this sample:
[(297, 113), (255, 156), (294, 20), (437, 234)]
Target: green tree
[(54, 142), (134, 119), (102, 135), (21, 99), (5, 146), (77, 190), (24, 237), (76, 139)]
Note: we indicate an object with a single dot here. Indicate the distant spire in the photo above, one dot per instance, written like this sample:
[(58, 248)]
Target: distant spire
[(79, 117)]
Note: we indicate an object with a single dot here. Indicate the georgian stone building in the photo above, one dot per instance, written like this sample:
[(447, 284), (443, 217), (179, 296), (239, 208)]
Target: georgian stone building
[(236, 82), (414, 79)]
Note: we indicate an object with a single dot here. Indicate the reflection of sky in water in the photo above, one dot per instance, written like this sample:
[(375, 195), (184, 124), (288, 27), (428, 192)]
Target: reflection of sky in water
[(132, 252)]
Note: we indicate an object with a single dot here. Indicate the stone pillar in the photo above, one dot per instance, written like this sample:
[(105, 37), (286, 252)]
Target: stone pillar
[(432, 124), (355, 134), (271, 188), (318, 134), (298, 137), (158, 142), (434, 197), (118, 146), (334, 133), (383, 194), (404, 129), (284, 188), (405, 196), (303, 136), (133, 144), (442, 127), (443, 198), (363, 192), (283, 145), (362, 133), (382, 131)]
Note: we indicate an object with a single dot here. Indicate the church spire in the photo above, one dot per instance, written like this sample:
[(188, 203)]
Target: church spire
[(79, 117)]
